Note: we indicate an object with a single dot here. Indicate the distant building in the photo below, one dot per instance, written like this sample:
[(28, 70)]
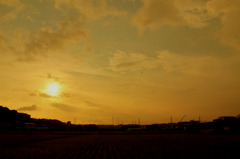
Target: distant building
[(238, 116), (225, 124), (190, 127)]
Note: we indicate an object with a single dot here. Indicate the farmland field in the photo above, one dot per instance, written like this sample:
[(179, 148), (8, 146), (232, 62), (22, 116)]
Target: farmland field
[(118, 145)]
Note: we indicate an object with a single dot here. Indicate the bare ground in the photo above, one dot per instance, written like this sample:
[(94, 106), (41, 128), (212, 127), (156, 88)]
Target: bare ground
[(118, 146)]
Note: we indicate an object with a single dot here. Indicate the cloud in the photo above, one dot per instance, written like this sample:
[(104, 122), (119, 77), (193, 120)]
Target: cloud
[(28, 108), (165, 59), (26, 59), (192, 13), (94, 105), (44, 95), (89, 73), (30, 45), (48, 40), (12, 15), (122, 61), (204, 66), (49, 76), (33, 94), (66, 95), (228, 12), (155, 13), (64, 107), (90, 9), (171, 61), (2, 39), (10, 2)]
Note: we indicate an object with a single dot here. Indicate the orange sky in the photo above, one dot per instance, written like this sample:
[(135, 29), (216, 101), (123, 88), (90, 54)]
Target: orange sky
[(128, 59)]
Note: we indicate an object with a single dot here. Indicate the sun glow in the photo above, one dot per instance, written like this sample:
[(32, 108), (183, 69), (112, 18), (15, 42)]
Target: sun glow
[(53, 89)]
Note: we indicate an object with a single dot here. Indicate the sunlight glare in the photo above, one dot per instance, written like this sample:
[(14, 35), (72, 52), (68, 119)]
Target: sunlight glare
[(53, 89)]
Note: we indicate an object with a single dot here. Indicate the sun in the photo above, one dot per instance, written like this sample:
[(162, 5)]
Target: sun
[(53, 89)]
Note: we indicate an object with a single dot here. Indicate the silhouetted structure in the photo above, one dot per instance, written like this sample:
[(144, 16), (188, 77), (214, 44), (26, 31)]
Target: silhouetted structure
[(190, 127), (225, 124), (10, 119), (13, 120)]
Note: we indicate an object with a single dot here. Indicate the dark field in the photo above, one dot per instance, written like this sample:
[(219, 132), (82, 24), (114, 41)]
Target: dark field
[(118, 145)]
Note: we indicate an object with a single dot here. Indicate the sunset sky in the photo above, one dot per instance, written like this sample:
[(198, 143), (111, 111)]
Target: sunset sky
[(93, 60)]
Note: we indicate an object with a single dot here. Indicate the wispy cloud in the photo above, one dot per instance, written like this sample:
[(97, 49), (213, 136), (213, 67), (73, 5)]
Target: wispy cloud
[(28, 108), (64, 107), (195, 14), (124, 61), (90, 9), (2, 39), (155, 13), (50, 76), (14, 13), (66, 95), (171, 61), (10, 2), (32, 94), (165, 59), (30, 45), (47, 39), (228, 12), (40, 94), (94, 105), (44, 95)]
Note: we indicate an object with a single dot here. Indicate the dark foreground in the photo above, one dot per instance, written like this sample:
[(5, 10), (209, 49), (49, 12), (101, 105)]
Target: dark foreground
[(118, 146)]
